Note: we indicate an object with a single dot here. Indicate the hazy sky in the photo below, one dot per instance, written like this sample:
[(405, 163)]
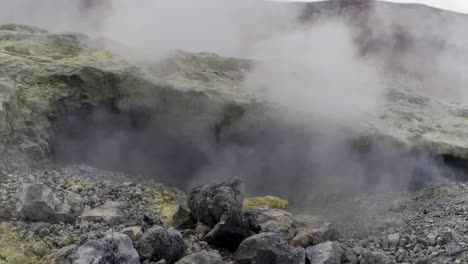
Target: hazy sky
[(453, 5)]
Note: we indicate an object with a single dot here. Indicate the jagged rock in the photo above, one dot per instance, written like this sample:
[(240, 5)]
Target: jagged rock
[(204, 257), (60, 255), (109, 212), (172, 206), (311, 236), (220, 206), (37, 202), (134, 232), (377, 258), (307, 237), (228, 233), (394, 239), (5, 214), (209, 203), (201, 230), (112, 248), (453, 249), (325, 253), (265, 219), (159, 243), (268, 248), (38, 226)]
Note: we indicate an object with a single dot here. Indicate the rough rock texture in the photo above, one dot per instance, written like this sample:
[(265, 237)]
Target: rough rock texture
[(268, 248), (209, 203), (134, 232), (220, 206), (325, 253), (109, 212), (172, 206), (44, 75), (38, 203), (307, 237), (265, 219), (205, 257), (5, 214), (159, 243), (112, 248), (228, 233)]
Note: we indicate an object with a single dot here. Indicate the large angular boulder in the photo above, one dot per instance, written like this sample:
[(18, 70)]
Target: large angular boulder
[(208, 203), (113, 248), (204, 257), (265, 219), (268, 248), (37, 202), (325, 253), (220, 206), (228, 233), (159, 243)]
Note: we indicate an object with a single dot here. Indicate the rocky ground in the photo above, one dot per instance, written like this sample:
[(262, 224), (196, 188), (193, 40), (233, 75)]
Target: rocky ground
[(52, 89), (72, 214)]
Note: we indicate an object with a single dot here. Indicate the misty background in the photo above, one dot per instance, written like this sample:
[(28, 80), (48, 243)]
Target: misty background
[(326, 73)]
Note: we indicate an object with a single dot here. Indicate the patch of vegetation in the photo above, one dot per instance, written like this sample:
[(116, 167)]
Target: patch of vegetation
[(21, 251), (171, 204), (78, 185), (270, 201)]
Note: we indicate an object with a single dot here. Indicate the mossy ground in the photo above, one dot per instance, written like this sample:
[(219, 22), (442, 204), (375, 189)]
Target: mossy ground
[(13, 250), (171, 204), (270, 201)]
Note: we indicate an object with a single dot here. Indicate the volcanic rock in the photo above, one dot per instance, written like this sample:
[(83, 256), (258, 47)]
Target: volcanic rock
[(268, 248), (324, 253), (209, 203), (38, 203), (159, 243), (112, 248), (204, 257), (265, 219)]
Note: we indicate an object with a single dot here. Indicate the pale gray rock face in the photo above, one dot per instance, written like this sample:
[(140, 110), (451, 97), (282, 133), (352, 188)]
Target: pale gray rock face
[(112, 248), (109, 213), (159, 243), (268, 248), (204, 257), (265, 219), (37, 202), (324, 253)]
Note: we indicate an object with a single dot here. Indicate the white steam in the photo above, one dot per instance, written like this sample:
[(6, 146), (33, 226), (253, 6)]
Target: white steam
[(316, 70)]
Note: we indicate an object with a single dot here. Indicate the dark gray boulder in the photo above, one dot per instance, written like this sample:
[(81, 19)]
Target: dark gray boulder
[(5, 214), (37, 202), (268, 248), (228, 233), (204, 257), (220, 206), (208, 203), (325, 253), (115, 248), (159, 243), (265, 219)]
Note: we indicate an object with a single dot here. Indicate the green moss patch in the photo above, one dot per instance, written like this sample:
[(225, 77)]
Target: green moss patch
[(270, 201)]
